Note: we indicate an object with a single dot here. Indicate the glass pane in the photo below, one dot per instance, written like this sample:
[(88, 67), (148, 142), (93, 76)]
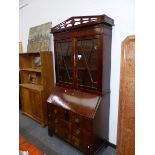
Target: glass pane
[(64, 62), (87, 62)]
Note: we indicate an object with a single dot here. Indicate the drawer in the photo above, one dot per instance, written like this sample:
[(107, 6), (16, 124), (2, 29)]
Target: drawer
[(56, 122), (56, 111), (78, 143), (63, 133), (59, 127), (80, 121), (74, 141), (83, 134)]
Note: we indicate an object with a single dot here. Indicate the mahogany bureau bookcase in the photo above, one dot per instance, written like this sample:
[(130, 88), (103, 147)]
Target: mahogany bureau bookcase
[(78, 107)]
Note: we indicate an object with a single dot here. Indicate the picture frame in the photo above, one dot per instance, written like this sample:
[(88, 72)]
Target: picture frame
[(20, 47)]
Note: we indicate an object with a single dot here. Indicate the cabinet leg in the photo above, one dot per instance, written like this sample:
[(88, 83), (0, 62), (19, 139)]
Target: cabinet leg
[(43, 125), (50, 133)]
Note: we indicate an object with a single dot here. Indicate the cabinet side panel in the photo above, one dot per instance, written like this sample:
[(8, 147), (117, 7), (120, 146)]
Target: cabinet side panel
[(47, 72), (106, 61), (101, 121), (48, 79), (102, 115)]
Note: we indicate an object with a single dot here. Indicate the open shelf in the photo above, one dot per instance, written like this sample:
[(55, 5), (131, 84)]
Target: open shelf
[(32, 86), (30, 53), (31, 69)]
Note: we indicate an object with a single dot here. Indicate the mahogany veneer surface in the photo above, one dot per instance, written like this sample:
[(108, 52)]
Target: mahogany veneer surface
[(71, 116), (79, 102), (78, 107)]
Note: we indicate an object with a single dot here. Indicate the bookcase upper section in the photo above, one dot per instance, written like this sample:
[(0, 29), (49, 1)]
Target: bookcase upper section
[(82, 47)]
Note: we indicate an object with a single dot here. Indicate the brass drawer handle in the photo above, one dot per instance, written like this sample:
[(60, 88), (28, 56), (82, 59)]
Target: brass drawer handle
[(56, 121), (77, 132), (76, 143), (56, 130), (77, 120), (55, 111)]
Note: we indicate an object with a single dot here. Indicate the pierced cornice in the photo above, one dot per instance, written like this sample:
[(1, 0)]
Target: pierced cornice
[(80, 21)]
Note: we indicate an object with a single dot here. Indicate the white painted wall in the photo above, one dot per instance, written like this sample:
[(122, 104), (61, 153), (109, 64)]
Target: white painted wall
[(122, 11)]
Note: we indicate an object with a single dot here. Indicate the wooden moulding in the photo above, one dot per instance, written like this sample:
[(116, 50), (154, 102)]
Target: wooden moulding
[(82, 21)]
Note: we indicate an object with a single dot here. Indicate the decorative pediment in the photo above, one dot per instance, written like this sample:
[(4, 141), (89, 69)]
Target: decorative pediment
[(79, 21)]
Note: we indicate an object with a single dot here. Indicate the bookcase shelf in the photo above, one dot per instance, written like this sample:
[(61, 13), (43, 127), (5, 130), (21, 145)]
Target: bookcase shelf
[(32, 86), (31, 69)]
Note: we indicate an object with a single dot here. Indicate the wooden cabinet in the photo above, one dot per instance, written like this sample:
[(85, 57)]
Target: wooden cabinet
[(37, 81), (78, 107), (32, 103), (72, 117), (126, 115)]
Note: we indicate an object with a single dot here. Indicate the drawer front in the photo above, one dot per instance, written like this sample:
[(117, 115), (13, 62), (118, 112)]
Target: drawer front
[(63, 133), (56, 112), (84, 135), (78, 143), (59, 127), (56, 122), (80, 121), (75, 141)]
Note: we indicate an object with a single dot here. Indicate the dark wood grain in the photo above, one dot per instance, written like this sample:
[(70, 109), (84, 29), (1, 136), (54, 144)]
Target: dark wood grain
[(104, 47), (74, 100), (80, 106), (82, 21)]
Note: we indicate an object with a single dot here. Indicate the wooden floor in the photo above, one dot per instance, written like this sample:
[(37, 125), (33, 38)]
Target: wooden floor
[(27, 146)]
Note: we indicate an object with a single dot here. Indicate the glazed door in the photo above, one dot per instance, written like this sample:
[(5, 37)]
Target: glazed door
[(64, 62), (87, 62)]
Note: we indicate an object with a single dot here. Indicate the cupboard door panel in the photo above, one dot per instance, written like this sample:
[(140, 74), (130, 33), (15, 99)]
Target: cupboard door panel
[(36, 104), (87, 62), (26, 101)]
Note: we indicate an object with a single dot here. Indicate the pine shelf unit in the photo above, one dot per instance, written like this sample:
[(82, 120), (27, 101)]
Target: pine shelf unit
[(37, 81)]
